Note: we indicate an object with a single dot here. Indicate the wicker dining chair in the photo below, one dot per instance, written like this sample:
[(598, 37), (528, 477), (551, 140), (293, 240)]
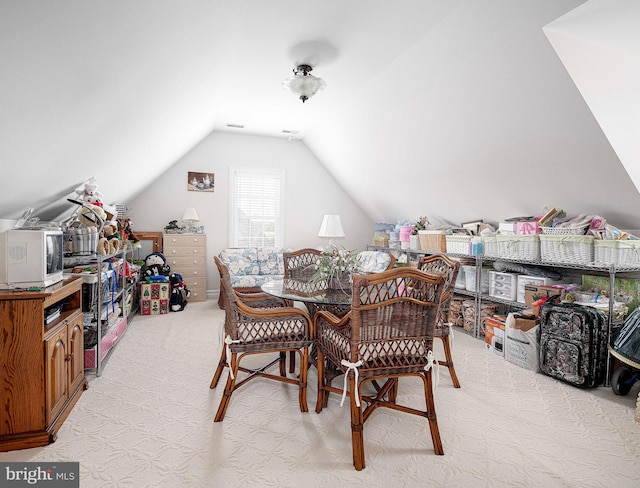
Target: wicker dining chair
[(268, 329), (300, 264), (387, 334), (444, 265)]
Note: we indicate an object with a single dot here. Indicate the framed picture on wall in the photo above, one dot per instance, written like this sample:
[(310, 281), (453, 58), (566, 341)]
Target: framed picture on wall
[(200, 181)]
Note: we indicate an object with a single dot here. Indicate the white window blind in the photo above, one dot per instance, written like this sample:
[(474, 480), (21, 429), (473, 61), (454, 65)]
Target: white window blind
[(256, 206)]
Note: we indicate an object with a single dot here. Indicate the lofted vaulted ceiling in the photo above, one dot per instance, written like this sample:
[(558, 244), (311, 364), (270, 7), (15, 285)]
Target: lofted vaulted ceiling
[(456, 109)]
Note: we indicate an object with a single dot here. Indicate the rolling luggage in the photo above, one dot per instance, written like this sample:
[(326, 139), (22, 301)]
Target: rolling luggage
[(573, 343)]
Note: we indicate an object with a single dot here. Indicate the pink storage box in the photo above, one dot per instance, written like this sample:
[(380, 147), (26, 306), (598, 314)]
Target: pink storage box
[(527, 228)]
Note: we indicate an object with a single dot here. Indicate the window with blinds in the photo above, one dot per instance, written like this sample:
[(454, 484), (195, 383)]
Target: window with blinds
[(256, 207)]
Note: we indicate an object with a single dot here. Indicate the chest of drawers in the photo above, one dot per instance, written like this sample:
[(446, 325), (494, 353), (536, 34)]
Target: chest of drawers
[(186, 254)]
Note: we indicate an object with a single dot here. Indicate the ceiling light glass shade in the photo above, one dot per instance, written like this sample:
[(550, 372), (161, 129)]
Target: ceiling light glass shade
[(302, 84), (331, 227)]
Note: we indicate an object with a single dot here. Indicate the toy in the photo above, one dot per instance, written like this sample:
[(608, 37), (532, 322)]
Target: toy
[(92, 215), (155, 264), (173, 228), (90, 194), (179, 293), (125, 228)]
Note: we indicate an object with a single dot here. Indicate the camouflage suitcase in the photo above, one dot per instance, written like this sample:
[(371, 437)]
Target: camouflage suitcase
[(573, 343)]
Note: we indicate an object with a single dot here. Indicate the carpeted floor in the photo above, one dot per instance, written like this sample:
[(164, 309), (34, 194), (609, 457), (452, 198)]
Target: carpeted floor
[(148, 422)]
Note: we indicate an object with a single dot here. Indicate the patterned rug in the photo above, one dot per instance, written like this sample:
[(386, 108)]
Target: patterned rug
[(147, 421)]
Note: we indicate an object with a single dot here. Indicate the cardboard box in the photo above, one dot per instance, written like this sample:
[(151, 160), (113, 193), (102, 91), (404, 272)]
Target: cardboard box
[(522, 344), (524, 280), (533, 293), (494, 334)]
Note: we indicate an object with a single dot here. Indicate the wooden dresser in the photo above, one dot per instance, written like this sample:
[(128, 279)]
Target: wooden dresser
[(41, 365), (186, 254)]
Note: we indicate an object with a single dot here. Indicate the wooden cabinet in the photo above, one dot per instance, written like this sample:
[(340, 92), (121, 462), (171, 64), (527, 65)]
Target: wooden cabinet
[(186, 254), (41, 365), (64, 368)]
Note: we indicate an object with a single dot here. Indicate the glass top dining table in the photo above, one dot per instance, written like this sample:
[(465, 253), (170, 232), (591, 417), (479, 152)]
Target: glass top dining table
[(315, 295)]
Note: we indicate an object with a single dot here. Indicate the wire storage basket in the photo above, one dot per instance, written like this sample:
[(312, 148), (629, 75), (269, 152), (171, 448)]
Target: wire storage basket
[(571, 249), (490, 247), (432, 241), (564, 231), (520, 247), (458, 244), (623, 252)]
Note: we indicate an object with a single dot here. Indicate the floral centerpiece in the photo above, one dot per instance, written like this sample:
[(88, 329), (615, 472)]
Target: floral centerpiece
[(335, 267)]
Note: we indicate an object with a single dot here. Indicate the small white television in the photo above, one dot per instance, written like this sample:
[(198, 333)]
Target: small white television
[(30, 258)]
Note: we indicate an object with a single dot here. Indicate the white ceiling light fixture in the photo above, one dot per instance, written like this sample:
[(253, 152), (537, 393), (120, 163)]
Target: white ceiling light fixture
[(303, 84)]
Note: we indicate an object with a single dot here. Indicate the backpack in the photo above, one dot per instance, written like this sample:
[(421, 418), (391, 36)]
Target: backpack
[(179, 293)]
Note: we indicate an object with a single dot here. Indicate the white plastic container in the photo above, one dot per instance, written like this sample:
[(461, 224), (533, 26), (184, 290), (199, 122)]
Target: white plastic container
[(470, 279), (503, 285), (460, 281), (531, 280)]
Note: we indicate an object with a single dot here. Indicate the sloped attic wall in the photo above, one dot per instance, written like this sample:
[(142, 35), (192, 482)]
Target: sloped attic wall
[(599, 44), (478, 120)]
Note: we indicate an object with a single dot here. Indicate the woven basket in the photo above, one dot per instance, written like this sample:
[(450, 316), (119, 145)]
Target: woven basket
[(625, 253), (555, 231), (520, 247), (567, 249), (432, 241), (459, 244), (490, 248)]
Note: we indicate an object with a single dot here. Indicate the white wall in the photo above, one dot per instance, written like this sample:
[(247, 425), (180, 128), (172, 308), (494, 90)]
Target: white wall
[(310, 193)]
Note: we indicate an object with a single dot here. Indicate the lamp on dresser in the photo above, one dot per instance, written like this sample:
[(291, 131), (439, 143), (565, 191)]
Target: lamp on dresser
[(190, 216)]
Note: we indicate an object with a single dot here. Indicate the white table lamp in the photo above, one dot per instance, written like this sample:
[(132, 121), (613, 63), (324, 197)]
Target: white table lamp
[(331, 228), (190, 216)]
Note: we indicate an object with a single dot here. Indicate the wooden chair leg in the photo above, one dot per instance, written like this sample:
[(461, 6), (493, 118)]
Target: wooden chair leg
[(446, 343), (320, 401), (357, 425), (431, 413), (221, 364), (228, 389), (292, 362), (302, 381), (283, 363)]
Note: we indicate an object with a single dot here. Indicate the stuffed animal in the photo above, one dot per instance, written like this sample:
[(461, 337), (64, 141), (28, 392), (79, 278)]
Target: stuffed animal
[(110, 231), (126, 231), (179, 293), (155, 264), (90, 194), (87, 216)]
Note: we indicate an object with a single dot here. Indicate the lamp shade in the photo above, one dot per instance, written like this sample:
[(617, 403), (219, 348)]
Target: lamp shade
[(190, 215), (331, 227)]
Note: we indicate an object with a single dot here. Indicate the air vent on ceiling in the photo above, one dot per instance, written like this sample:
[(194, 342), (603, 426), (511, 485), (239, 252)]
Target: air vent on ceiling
[(236, 126)]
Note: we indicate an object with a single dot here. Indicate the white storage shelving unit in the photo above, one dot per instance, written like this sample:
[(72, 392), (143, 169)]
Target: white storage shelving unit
[(612, 271)]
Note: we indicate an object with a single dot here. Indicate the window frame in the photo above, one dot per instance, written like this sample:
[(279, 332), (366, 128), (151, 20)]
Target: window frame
[(238, 172)]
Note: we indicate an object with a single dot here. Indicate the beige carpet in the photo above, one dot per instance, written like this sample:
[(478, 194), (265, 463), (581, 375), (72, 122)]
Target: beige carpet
[(148, 422)]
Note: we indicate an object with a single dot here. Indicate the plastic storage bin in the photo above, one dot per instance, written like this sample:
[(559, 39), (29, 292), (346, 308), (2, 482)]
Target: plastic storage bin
[(531, 280), (503, 285), (470, 279)]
